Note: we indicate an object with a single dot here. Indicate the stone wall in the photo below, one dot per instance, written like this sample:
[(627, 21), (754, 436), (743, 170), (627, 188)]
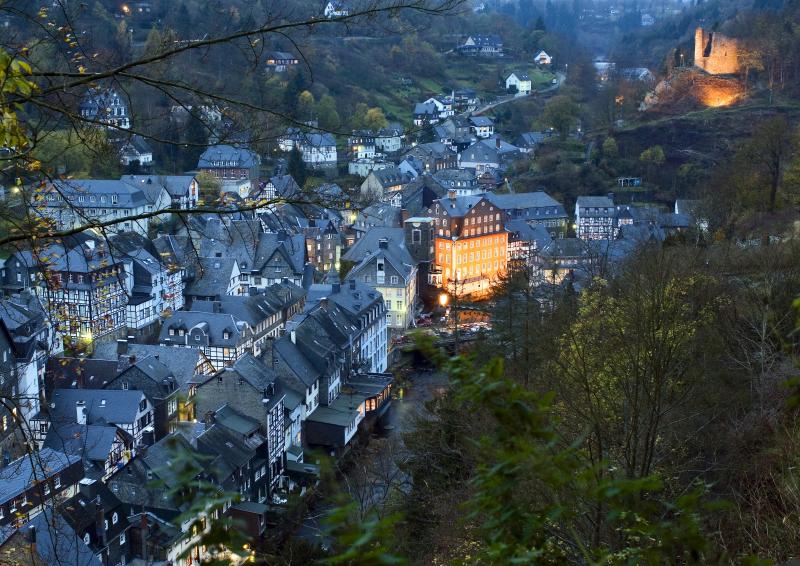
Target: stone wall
[(715, 53)]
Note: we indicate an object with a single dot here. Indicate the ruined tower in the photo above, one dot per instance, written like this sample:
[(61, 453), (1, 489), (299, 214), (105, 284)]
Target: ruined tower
[(715, 53)]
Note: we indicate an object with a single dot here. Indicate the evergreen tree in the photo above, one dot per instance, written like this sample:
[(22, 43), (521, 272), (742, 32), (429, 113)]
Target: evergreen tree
[(297, 167)]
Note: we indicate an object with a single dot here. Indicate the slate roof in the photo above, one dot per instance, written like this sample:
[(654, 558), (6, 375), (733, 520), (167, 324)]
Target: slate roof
[(21, 473), (243, 158), (353, 296), (532, 139), (481, 121), (594, 202), (56, 542), (459, 206), (534, 200), (81, 372), (378, 215), (487, 151), (97, 193), (254, 309), (564, 248), (390, 176), (425, 108), (253, 371), (93, 442), (176, 185), (311, 139), (103, 406), (81, 511), (213, 277), (230, 418), (285, 185), (369, 241), (181, 362), (294, 369), (521, 230), (342, 412), (214, 325)]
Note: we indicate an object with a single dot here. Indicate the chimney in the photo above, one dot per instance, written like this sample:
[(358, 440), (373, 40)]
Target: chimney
[(353, 284), (156, 355), (611, 197), (324, 302), (100, 518), (404, 215), (383, 244), (88, 488), (31, 537), (208, 420), (132, 359), (131, 339), (122, 347), (80, 410), (336, 287), (148, 437), (451, 194), (293, 336)]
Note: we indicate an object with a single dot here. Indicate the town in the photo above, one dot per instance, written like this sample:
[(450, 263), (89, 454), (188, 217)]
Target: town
[(234, 311)]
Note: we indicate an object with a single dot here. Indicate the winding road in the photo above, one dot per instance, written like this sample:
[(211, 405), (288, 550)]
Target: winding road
[(560, 78)]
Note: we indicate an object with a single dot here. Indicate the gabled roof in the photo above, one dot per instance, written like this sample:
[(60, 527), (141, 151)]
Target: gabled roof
[(369, 242), (103, 406), (397, 257), (56, 542), (481, 121), (213, 324), (241, 157), (92, 442), (21, 473), (536, 199), (294, 369), (181, 362), (213, 277), (594, 202), (459, 206), (521, 230)]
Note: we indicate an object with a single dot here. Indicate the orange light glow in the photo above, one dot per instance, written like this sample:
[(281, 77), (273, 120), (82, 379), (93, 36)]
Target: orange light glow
[(718, 96)]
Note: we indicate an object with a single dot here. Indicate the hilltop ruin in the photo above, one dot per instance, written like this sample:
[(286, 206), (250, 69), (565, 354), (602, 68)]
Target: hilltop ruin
[(714, 53)]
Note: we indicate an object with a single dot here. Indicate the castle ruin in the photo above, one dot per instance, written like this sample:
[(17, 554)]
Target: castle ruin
[(715, 53)]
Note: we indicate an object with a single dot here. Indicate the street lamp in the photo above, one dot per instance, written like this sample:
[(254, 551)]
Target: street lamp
[(443, 299)]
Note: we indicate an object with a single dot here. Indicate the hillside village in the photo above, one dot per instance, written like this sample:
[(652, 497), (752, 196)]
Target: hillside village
[(255, 309)]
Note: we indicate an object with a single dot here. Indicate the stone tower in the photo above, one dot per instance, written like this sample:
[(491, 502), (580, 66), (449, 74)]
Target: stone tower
[(715, 53)]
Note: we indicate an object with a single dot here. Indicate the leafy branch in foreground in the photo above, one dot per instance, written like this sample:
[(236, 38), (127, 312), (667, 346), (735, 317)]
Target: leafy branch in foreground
[(534, 497)]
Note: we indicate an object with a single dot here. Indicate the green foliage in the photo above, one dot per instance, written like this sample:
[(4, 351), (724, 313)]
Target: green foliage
[(16, 86), (653, 156), (297, 167), (610, 148), (560, 113), (327, 114), (531, 492), (191, 487), (210, 188), (361, 543)]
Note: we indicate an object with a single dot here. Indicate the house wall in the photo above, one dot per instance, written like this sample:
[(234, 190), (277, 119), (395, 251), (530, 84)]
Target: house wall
[(225, 388)]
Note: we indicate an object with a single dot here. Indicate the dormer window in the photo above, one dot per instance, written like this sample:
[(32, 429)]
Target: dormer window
[(226, 335), (197, 337)]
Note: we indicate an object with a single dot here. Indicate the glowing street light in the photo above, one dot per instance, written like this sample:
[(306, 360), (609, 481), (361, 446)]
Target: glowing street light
[(443, 299)]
